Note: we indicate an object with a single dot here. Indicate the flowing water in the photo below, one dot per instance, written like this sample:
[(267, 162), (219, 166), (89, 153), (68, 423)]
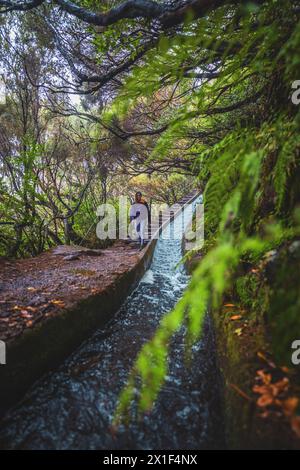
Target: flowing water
[(72, 407)]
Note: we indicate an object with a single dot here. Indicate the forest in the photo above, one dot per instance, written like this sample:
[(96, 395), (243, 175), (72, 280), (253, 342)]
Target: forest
[(100, 99)]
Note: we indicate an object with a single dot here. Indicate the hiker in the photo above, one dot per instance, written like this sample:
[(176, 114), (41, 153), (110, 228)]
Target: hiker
[(140, 212)]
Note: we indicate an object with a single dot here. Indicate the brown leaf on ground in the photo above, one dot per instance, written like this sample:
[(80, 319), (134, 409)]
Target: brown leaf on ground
[(264, 377), (286, 370), (31, 309), (265, 400), (25, 314), (274, 402), (295, 424), (59, 303), (262, 356), (289, 405), (261, 389), (235, 317), (280, 386)]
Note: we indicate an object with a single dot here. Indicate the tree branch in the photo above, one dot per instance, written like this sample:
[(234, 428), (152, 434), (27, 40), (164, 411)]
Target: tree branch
[(167, 15), (11, 5), (128, 9)]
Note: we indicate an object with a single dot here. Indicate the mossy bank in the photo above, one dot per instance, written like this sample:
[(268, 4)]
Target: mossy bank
[(255, 326)]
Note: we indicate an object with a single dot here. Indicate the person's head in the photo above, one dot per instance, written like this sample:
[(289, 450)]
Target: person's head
[(138, 196)]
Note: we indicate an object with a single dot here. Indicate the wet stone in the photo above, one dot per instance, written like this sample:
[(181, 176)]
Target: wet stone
[(70, 257)]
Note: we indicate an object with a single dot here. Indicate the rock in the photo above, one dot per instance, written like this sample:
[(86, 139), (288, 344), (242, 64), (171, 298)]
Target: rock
[(71, 257), (37, 300), (294, 246), (70, 250)]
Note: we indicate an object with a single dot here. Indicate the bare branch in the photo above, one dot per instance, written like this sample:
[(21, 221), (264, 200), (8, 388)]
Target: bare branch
[(166, 14), (11, 5)]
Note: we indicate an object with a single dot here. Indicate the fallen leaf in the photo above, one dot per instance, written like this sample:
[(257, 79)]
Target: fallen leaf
[(261, 389), (295, 423), (238, 331), (32, 309), (266, 378), (280, 386), (229, 305), (235, 317), (265, 400), (289, 405), (262, 356), (59, 303), (25, 314)]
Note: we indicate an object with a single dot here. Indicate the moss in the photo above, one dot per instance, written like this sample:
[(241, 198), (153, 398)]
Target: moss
[(238, 361), (267, 297), (272, 295), (239, 358), (253, 294)]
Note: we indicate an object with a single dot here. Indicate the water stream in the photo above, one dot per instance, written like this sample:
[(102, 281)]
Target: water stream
[(72, 407)]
